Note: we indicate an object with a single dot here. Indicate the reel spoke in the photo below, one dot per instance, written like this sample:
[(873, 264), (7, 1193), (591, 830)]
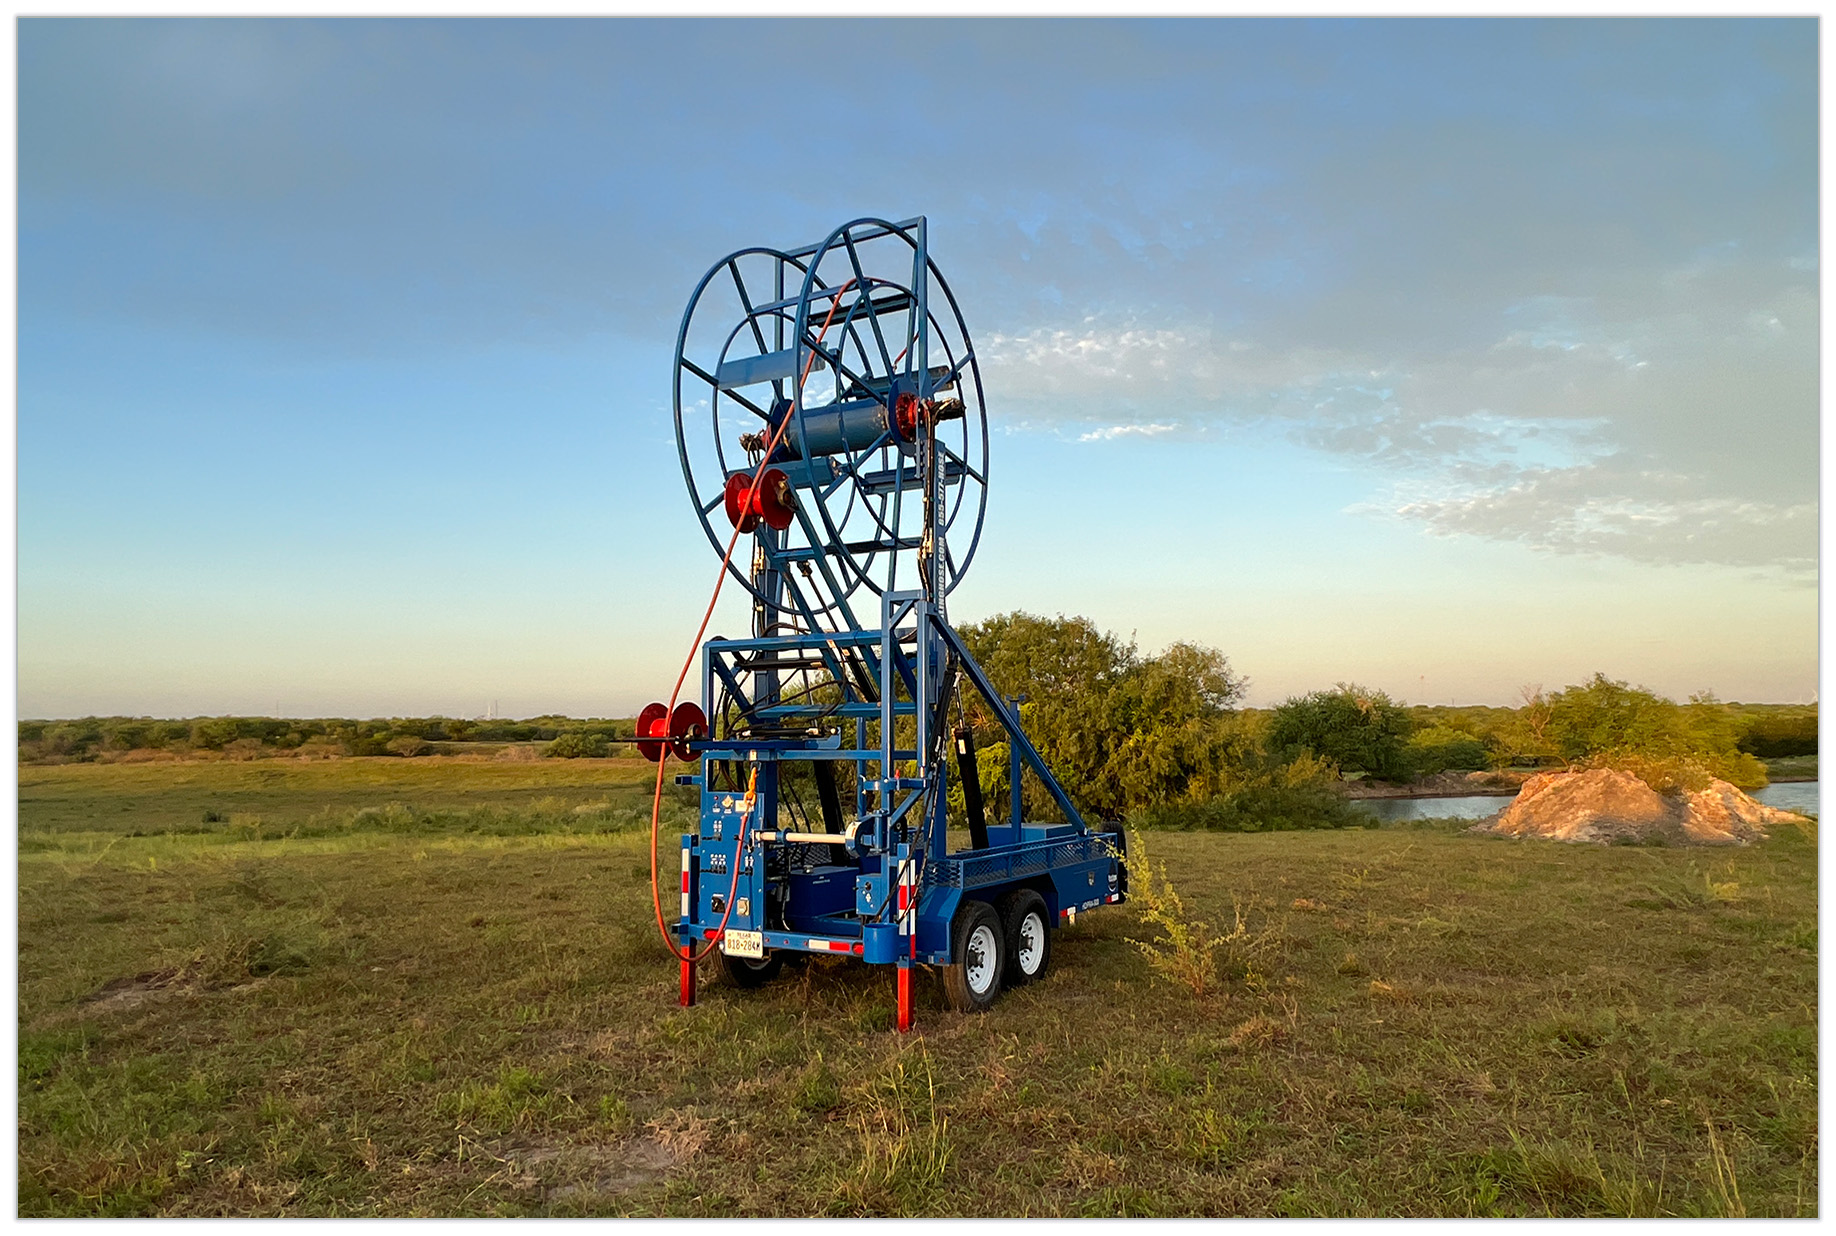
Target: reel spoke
[(752, 319), (960, 462), (735, 396), (854, 258)]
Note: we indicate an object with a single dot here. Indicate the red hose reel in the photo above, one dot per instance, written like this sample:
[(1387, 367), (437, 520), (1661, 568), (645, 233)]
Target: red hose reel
[(770, 500), (661, 725)]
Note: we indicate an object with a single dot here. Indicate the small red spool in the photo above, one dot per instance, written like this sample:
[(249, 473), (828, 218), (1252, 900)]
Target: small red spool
[(771, 502), (688, 721), (738, 485), (652, 722)]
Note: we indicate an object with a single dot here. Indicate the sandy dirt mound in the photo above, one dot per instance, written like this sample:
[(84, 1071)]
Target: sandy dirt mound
[(1605, 805)]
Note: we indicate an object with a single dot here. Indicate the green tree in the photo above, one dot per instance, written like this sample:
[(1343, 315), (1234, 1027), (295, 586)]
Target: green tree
[(1441, 747), (1176, 735), (1606, 723), (1159, 739), (1358, 729), (1602, 716), (1068, 670)]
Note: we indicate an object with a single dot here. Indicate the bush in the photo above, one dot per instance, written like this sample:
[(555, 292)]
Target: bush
[(1184, 948), (1271, 798), (1358, 729), (1440, 748), (1775, 735), (1119, 730), (577, 746), (1602, 723), (1254, 809)]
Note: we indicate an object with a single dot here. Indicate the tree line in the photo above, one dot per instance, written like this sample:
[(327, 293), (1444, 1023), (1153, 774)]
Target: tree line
[(89, 739), (1161, 739), (1164, 740)]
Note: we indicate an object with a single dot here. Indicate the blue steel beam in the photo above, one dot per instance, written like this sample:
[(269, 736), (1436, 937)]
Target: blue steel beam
[(1010, 722)]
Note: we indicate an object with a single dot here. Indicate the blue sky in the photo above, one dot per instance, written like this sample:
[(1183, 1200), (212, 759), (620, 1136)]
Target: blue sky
[(1441, 356)]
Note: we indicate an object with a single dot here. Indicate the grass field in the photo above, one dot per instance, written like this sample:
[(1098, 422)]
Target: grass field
[(433, 987)]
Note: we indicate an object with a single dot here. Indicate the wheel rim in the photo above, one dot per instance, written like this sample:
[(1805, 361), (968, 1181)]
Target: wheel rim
[(1032, 944), (979, 960)]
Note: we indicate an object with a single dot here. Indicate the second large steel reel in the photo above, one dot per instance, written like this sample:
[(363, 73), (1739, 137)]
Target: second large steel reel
[(853, 355)]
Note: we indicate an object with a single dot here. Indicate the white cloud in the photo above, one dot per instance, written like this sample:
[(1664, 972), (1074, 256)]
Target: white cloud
[(1110, 432), (1604, 509), (1676, 425)]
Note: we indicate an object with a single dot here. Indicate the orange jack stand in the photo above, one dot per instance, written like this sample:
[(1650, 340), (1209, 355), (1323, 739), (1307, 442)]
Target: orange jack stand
[(905, 997), (688, 980)]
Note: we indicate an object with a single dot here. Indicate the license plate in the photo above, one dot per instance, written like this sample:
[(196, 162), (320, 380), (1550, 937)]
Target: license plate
[(743, 944)]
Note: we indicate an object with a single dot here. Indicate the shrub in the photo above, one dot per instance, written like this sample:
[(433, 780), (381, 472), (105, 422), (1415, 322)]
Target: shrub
[(1356, 728), (1119, 730), (1277, 798), (1442, 747), (1603, 723), (1185, 948), (1774, 735), (576, 746)]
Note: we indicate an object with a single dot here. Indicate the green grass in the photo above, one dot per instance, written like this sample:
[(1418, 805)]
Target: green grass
[(334, 1015), (260, 799)]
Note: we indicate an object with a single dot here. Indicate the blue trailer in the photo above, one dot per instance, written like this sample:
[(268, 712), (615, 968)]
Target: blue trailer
[(828, 402)]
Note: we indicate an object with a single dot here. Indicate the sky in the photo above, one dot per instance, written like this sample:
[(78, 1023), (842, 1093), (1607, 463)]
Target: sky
[(1445, 357)]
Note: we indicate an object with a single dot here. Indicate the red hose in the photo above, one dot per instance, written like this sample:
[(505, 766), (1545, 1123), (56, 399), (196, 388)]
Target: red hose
[(656, 803)]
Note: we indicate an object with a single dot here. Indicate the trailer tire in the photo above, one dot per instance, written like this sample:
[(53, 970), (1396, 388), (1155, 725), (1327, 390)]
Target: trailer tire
[(1026, 925), (978, 955), (745, 972)]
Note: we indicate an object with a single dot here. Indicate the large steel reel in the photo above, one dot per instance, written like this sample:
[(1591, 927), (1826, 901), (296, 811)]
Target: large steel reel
[(853, 354)]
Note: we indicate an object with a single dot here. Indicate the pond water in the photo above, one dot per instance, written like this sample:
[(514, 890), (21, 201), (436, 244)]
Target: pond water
[(1790, 796), (1393, 810), (1787, 795)]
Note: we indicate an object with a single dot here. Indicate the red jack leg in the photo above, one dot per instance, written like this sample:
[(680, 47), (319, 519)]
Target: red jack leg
[(688, 981), (905, 998)]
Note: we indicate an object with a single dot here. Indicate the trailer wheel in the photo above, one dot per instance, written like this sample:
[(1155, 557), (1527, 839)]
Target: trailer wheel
[(1027, 924), (747, 972), (978, 954)]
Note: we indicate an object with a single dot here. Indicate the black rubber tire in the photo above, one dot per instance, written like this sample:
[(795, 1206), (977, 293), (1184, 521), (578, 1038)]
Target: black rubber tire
[(1015, 908), (745, 972), (977, 951)]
